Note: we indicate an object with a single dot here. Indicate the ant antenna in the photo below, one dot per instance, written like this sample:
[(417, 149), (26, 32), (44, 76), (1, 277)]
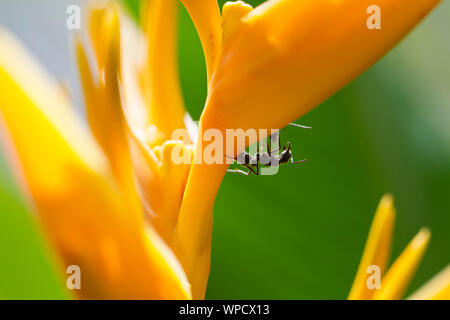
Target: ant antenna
[(300, 126)]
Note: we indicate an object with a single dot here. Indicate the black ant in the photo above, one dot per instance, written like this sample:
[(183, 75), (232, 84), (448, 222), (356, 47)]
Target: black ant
[(266, 159)]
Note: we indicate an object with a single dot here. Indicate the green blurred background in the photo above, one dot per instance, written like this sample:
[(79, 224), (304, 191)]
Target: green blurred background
[(300, 234)]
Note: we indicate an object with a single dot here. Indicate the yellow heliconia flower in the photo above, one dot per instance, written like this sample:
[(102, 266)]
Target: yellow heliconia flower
[(86, 202), (110, 199), (270, 65), (393, 283)]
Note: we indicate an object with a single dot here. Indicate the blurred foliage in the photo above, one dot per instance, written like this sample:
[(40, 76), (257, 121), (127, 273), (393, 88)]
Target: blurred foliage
[(300, 234), (26, 267)]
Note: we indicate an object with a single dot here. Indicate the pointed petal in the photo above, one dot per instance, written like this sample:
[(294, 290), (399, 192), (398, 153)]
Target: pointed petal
[(160, 182), (104, 107), (47, 135), (82, 210), (103, 101), (377, 249), (438, 288), (396, 280), (166, 105), (208, 21), (291, 55), (102, 18), (195, 223)]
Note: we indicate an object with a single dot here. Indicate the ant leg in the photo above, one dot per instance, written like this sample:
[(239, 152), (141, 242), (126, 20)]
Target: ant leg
[(257, 158), (279, 146), (295, 162), (276, 150), (258, 150), (251, 169), (299, 126), (238, 171), (230, 157), (279, 141)]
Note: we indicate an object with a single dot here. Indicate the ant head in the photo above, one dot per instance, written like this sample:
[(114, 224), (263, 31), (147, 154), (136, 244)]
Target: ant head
[(285, 156)]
